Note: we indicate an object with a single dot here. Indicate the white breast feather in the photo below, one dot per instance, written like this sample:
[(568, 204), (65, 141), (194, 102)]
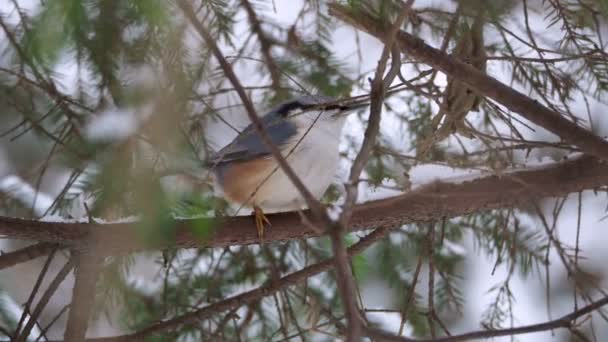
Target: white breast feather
[(315, 160)]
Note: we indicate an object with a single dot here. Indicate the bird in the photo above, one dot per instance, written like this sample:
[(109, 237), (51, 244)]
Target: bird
[(306, 130)]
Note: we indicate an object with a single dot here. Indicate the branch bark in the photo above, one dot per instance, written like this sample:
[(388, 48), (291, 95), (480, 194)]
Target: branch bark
[(44, 300), (483, 84), (563, 322), (26, 254), (420, 205), (245, 298), (294, 278), (265, 46), (83, 296)]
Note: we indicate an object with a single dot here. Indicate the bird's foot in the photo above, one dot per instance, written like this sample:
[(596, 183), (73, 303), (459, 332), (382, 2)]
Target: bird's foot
[(260, 222)]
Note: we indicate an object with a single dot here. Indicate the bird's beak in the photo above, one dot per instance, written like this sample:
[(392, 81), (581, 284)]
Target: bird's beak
[(350, 108), (357, 105)]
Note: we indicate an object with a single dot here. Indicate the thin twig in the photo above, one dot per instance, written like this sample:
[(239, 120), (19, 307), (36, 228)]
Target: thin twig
[(485, 85), (44, 330), (410, 296), (345, 280), (431, 287), (30, 300), (46, 296), (379, 86), (265, 47), (565, 322), (249, 296)]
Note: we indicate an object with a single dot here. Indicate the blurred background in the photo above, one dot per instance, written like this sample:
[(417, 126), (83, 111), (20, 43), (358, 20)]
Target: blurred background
[(109, 108)]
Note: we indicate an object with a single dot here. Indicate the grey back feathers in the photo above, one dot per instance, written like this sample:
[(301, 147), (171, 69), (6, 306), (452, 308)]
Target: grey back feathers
[(248, 145)]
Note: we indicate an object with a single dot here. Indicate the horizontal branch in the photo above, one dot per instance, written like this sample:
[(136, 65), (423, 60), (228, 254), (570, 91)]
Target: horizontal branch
[(251, 296), (420, 205), (482, 83), (566, 322)]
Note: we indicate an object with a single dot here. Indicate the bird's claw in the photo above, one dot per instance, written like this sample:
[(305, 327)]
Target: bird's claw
[(260, 222)]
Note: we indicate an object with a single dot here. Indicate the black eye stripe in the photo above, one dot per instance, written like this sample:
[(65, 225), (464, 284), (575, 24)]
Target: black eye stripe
[(286, 108), (324, 107), (335, 106)]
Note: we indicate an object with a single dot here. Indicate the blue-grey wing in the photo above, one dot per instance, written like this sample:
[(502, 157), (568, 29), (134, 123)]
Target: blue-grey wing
[(248, 144)]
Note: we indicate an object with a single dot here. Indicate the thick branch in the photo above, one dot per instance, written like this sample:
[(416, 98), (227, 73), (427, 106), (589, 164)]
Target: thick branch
[(483, 84), (421, 205), (83, 295), (294, 278)]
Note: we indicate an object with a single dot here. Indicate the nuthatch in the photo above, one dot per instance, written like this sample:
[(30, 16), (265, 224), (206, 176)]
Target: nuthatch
[(307, 132)]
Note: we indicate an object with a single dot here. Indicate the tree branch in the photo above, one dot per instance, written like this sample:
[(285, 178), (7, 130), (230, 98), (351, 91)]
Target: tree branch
[(249, 296), (26, 254), (265, 47), (420, 205), (28, 304), (563, 322), (83, 295), (44, 300), (483, 84)]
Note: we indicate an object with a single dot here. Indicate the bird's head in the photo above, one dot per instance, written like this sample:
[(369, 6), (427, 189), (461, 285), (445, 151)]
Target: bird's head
[(322, 109)]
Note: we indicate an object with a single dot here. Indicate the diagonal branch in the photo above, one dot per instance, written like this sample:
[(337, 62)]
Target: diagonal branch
[(44, 300), (265, 46), (483, 84), (34, 292), (566, 322), (423, 204), (26, 254)]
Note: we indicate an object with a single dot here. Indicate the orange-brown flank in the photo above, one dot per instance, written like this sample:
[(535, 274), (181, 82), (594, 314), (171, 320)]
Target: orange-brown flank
[(241, 179)]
